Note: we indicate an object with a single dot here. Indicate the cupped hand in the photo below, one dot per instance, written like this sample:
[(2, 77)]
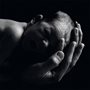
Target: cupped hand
[(58, 64), (78, 36), (73, 52)]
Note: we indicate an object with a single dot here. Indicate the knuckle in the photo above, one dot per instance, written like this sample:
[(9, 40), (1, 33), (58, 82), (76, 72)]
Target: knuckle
[(79, 25), (74, 43), (83, 45), (76, 28)]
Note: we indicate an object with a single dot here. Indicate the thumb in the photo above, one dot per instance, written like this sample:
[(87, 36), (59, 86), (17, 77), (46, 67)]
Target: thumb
[(53, 61)]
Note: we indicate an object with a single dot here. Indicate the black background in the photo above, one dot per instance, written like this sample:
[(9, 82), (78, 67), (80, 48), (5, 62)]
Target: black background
[(24, 10)]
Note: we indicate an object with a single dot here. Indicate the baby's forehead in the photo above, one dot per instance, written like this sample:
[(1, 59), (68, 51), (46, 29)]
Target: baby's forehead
[(56, 33), (44, 24)]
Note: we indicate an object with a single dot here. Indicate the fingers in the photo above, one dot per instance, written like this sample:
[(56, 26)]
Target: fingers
[(70, 52), (53, 62), (43, 70), (77, 53), (79, 47), (80, 32), (62, 70), (61, 44), (76, 38), (76, 56)]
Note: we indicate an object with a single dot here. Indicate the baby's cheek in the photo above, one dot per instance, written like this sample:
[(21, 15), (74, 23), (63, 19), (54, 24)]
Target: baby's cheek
[(41, 46), (35, 45)]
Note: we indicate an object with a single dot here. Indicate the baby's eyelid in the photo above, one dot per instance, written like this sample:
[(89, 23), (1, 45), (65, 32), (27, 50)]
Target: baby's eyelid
[(47, 32)]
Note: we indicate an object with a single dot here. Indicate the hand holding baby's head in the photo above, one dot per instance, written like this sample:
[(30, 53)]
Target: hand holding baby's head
[(43, 35)]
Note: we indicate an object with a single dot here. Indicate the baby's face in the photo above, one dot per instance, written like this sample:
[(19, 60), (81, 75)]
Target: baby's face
[(40, 37)]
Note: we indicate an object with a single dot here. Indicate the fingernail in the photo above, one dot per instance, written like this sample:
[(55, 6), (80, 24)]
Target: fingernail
[(60, 54), (76, 22), (83, 45), (62, 39), (74, 43)]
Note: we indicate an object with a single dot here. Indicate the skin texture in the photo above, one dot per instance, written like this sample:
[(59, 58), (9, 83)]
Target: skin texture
[(41, 39), (53, 72), (11, 32), (45, 72), (45, 34)]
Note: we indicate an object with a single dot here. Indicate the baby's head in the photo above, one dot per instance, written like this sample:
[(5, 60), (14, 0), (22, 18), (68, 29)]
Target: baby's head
[(44, 35)]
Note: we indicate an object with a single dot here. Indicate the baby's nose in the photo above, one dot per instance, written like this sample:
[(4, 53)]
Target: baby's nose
[(39, 45), (45, 43)]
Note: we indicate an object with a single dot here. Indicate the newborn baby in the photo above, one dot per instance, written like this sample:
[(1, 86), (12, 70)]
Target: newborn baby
[(44, 36), (24, 47)]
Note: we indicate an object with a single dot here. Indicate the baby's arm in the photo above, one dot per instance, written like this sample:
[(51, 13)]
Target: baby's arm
[(10, 33)]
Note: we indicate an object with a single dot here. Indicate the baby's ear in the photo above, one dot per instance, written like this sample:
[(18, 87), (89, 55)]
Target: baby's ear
[(39, 17), (36, 19)]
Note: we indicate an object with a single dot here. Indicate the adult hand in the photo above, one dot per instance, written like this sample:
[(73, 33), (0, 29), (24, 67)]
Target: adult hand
[(75, 49), (78, 36), (44, 72), (58, 64), (40, 73)]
